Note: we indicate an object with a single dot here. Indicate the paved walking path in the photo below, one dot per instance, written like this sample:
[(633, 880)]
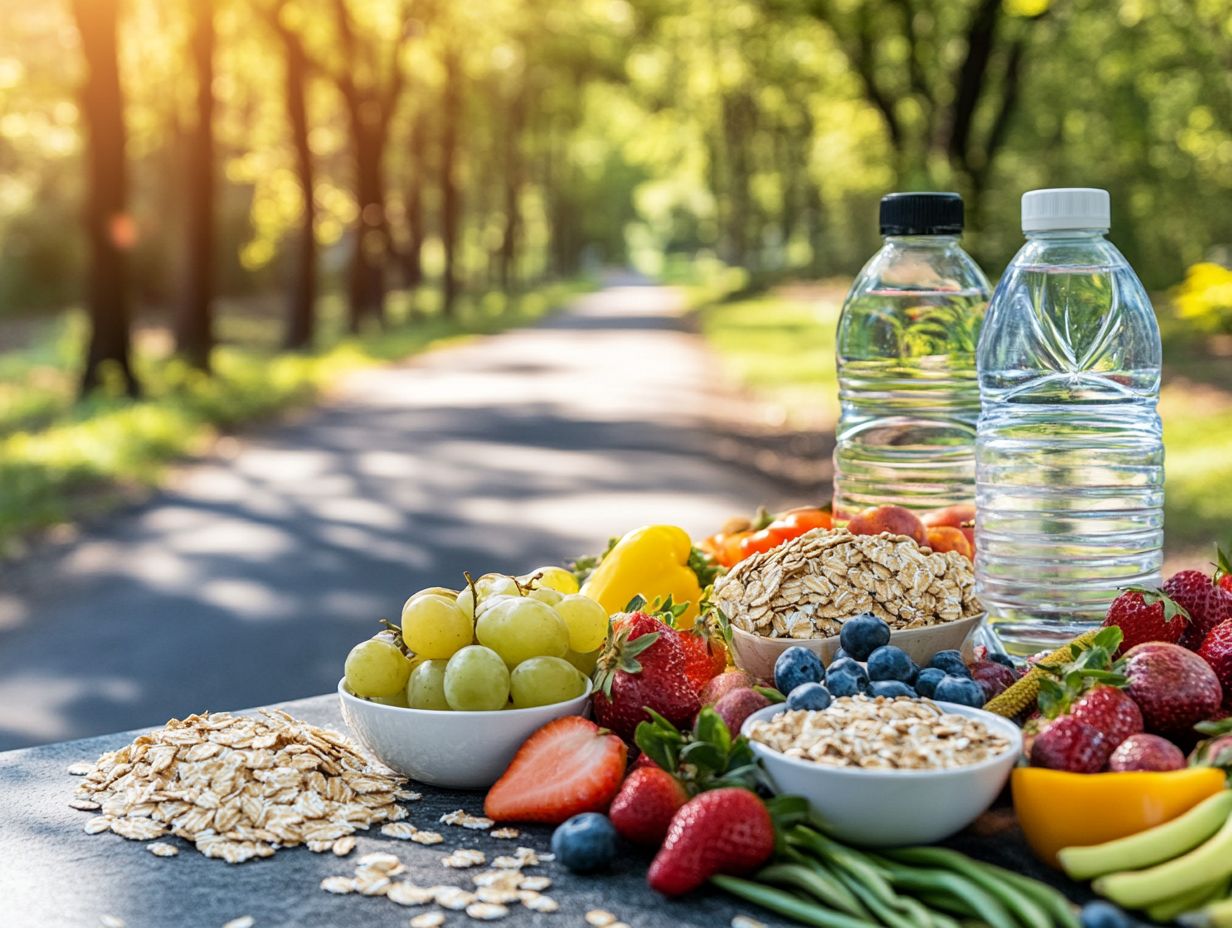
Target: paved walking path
[(247, 580)]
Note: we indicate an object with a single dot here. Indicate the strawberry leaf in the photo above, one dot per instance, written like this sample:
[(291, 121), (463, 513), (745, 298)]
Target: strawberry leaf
[(659, 740), (636, 604), (704, 566), (771, 693), (1223, 567), (711, 729)]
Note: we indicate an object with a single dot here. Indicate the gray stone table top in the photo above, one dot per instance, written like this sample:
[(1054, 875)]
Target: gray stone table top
[(53, 874)]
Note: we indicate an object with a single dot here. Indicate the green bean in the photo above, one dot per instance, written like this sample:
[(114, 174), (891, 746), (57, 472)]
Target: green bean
[(923, 914), (985, 905), (841, 896), (784, 903), (946, 903), (1049, 899), (885, 910), (1029, 912), (816, 883), (852, 861)]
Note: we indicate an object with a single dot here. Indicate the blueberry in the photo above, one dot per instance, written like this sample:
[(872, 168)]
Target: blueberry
[(890, 689), (585, 842), (951, 662), (839, 654), (926, 681), (864, 634), (962, 690), (891, 663), (846, 678), (796, 666), (808, 696), (998, 658), (1102, 914)]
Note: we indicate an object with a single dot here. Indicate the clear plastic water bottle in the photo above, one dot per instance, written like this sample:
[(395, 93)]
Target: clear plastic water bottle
[(1069, 456), (906, 364)]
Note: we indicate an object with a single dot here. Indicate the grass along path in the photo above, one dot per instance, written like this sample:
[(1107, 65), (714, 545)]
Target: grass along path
[(61, 460), (780, 346)]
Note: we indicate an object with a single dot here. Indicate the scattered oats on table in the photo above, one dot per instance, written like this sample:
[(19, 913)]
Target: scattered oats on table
[(463, 858), (486, 911), (537, 883), (464, 819), (84, 805), (402, 831), (428, 920), (346, 843), (80, 769), (539, 903), (111, 921), (427, 837), (244, 921), (746, 921), (162, 849), (409, 894), (600, 918), (239, 787), (454, 897), (505, 833), (339, 885)]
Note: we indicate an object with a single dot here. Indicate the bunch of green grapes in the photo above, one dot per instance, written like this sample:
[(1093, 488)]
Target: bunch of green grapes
[(501, 642)]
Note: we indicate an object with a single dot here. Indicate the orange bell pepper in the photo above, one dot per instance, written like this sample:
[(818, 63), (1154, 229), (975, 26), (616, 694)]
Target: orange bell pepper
[(1059, 809)]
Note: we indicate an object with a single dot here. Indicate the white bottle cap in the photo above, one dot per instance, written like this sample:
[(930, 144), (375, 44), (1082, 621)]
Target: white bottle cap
[(1065, 208)]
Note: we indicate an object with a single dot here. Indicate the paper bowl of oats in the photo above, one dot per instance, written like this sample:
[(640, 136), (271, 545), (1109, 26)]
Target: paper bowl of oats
[(802, 592), (887, 772)]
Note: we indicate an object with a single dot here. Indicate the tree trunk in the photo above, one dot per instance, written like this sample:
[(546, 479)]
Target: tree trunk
[(300, 328), (451, 195), (108, 223), (417, 145), (513, 194), (367, 281), (194, 331)]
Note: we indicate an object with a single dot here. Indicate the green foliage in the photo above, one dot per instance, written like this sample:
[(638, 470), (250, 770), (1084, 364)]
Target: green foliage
[(60, 459), (1204, 299)]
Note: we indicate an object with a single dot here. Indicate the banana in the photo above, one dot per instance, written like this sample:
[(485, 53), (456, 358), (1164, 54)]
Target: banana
[(1165, 912), (1218, 915), (1150, 847), (1138, 889)]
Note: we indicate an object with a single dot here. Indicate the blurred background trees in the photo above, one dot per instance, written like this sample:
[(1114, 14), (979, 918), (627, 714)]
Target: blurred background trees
[(445, 149)]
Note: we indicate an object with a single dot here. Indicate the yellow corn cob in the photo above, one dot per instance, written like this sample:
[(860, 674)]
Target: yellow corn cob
[(1021, 697)]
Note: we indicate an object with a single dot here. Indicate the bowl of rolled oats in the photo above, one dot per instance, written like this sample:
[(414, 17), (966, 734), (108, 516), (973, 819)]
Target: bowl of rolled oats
[(887, 772), (457, 750), (802, 592)]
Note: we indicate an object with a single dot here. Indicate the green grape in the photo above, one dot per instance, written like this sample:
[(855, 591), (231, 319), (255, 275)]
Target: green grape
[(426, 687), (552, 578), (586, 620), (434, 627), (523, 628), (476, 680), (376, 668), (587, 662), (397, 699), (490, 602), (431, 591), (546, 594), (541, 681), (486, 586)]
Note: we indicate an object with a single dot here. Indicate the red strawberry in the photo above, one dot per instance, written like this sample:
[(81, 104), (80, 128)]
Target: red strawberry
[(641, 668), (568, 766), (1146, 752), (644, 760), (721, 831), (1173, 687), (737, 706), (1071, 744), (1223, 569), (1216, 650), (1111, 711), (1206, 601), (644, 807), (724, 683), (1146, 615), (705, 655)]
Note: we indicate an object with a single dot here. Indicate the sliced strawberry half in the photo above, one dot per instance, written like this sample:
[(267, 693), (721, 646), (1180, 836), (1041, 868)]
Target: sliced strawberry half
[(568, 766)]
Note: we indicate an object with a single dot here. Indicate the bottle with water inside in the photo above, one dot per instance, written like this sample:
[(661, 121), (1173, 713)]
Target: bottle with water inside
[(1069, 454), (906, 364)]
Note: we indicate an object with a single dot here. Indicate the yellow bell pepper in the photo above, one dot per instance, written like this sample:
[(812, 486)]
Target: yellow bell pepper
[(1059, 809), (651, 562)]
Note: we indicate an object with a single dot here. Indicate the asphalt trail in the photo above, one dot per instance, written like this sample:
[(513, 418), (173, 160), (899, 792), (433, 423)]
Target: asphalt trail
[(246, 581)]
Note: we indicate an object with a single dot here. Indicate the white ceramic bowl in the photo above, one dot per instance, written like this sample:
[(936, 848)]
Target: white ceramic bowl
[(458, 750), (887, 808), (756, 654)]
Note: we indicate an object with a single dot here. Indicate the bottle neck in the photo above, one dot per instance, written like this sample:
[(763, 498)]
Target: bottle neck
[(1060, 235), (922, 241)]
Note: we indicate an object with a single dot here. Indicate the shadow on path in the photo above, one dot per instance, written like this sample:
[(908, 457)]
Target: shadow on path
[(247, 581)]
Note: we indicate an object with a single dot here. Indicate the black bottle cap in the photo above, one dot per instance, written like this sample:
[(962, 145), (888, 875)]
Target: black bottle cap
[(921, 214)]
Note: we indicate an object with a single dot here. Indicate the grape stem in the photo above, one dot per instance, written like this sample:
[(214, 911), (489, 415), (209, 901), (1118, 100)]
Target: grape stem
[(398, 642)]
